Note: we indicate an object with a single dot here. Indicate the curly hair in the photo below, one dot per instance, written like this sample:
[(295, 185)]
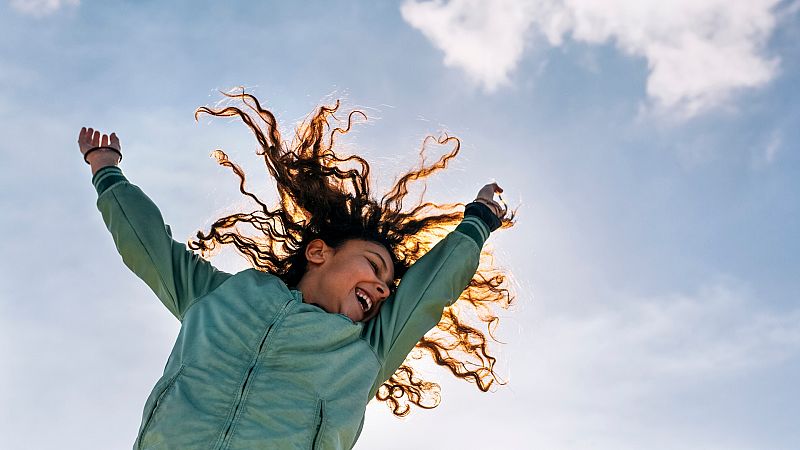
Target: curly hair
[(328, 196)]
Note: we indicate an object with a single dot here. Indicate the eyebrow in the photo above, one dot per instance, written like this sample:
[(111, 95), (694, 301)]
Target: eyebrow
[(383, 263)]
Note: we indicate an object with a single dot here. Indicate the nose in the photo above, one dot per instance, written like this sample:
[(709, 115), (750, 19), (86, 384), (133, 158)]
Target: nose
[(383, 291)]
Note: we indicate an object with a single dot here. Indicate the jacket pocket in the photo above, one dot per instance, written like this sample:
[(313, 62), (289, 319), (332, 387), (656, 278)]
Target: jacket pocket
[(157, 395), (319, 425)]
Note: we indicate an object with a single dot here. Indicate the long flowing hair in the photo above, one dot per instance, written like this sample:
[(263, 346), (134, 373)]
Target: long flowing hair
[(325, 195)]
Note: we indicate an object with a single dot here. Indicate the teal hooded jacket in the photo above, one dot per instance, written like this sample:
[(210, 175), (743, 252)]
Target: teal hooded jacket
[(254, 367)]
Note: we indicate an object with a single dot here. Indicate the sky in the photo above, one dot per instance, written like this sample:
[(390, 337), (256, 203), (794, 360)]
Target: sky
[(651, 148)]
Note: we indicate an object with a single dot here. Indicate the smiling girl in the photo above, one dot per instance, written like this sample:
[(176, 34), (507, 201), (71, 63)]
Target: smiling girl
[(342, 288)]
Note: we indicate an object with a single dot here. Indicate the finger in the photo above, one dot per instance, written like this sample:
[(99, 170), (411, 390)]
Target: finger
[(486, 191), (115, 141), (503, 206), (81, 133), (104, 141), (96, 139), (492, 188), (86, 138)]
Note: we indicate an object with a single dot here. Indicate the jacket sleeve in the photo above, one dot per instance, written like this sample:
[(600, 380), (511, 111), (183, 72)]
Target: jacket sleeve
[(435, 281), (177, 275)]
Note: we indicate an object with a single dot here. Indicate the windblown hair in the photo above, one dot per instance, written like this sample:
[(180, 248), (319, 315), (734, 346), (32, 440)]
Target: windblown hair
[(328, 196)]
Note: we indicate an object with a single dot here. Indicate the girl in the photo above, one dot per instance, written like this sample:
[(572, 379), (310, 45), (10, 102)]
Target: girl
[(288, 354)]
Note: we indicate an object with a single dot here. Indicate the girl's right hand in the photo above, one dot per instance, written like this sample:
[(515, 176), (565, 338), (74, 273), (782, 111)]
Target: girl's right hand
[(486, 196), (90, 138)]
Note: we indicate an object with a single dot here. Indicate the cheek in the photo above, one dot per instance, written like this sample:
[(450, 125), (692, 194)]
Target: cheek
[(341, 280), (352, 272)]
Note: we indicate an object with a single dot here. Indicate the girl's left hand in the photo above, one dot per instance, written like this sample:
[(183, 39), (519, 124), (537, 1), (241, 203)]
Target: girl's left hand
[(486, 196), (97, 159)]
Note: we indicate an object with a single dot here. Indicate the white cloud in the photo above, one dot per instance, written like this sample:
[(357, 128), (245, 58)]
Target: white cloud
[(698, 52), (39, 8), (485, 38)]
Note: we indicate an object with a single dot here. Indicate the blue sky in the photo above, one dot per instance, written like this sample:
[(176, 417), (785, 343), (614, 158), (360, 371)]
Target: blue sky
[(652, 149)]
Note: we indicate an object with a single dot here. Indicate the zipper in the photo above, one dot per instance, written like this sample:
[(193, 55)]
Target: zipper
[(321, 419), (250, 372)]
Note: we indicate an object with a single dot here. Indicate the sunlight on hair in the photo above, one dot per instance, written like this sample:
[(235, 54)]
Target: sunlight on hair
[(323, 194)]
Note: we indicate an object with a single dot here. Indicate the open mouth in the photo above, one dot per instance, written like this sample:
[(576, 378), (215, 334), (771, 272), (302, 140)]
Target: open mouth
[(363, 300)]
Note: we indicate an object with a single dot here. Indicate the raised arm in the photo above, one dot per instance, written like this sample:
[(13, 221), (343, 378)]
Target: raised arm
[(435, 281), (176, 275)]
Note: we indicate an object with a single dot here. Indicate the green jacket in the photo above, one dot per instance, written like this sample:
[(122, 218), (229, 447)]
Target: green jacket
[(253, 366)]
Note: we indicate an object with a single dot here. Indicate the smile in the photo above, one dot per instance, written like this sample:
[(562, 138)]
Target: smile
[(363, 299)]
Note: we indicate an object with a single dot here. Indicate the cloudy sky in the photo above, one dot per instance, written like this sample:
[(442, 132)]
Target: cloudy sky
[(652, 149)]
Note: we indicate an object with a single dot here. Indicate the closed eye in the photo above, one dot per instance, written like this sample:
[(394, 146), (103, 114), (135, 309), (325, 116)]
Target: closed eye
[(391, 285)]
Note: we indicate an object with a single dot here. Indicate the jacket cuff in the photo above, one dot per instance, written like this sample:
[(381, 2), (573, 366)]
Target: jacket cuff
[(478, 222), (106, 177), (484, 213)]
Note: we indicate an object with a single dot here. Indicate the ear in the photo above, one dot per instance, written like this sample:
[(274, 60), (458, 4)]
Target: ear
[(317, 251)]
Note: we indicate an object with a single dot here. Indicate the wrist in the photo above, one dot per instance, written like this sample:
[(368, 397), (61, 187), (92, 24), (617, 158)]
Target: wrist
[(99, 161)]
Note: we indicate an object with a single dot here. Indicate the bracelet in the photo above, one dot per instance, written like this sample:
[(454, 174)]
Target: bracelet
[(103, 147)]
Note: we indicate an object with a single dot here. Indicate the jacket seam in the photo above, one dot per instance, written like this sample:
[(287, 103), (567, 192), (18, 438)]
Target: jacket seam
[(469, 239), (320, 420), (149, 256), (191, 301), (438, 269), (112, 186), (169, 384), (202, 297), (374, 353), (108, 189)]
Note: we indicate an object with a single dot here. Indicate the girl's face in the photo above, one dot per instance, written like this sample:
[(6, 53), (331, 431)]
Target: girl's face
[(352, 279)]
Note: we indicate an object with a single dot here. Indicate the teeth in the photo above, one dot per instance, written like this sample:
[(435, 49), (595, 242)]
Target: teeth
[(366, 299)]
